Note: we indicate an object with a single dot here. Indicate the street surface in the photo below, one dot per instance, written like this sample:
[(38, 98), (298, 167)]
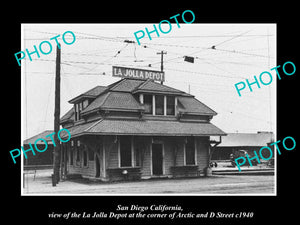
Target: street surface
[(217, 184)]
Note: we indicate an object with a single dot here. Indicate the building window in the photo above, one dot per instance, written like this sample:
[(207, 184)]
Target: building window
[(159, 105), (78, 108), (76, 111), (85, 103), (125, 151), (137, 157), (148, 104), (170, 105), (190, 151)]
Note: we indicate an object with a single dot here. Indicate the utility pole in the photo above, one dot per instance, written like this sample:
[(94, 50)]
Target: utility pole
[(162, 53), (56, 153)]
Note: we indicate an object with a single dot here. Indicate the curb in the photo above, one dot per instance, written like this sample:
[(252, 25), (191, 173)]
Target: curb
[(245, 172)]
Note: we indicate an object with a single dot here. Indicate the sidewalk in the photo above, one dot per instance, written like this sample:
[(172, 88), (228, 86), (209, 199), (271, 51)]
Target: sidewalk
[(225, 167)]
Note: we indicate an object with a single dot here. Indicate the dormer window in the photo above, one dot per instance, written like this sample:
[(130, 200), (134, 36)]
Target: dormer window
[(79, 107), (158, 104), (171, 105), (147, 104), (85, 103), (76, 109)]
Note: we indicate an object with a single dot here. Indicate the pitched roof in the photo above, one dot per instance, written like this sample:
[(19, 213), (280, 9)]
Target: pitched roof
[(114, 101), (96, 103), (68, 115), (126, 85), (92, 93), (191, 105), (247, 139), (40, 135), (151, 86), (95, 91), (146, 128), (119, 96)]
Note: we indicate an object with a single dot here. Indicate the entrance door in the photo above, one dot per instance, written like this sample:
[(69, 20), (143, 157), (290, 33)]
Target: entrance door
[(97, 162), (157, 159)]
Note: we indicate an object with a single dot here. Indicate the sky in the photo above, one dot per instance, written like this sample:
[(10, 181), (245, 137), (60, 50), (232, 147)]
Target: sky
[(224, 54)]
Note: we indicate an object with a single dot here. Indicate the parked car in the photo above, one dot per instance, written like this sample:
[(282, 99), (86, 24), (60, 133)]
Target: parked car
[(242, 153), (213, 164)]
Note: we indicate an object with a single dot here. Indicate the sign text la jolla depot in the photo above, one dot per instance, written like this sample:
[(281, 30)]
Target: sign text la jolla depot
[(138, 73)]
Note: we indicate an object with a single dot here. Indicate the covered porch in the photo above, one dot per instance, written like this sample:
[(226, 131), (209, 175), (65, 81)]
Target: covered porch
[(130, 150)]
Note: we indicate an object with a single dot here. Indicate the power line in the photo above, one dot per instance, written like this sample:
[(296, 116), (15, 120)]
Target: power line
[(236, 36), (205, 36), (202, 73), (243, 53)]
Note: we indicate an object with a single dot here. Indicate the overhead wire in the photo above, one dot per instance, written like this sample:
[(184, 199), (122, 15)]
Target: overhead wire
[(204, 36), (87, 71), (212, 47), (236, 36), (243, 53), (104, 62)]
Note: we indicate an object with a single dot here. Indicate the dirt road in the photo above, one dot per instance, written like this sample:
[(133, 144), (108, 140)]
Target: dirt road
[(217, 184)]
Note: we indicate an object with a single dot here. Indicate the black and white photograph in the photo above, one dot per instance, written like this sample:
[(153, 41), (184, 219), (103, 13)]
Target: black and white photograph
[(165, 114), (145, 113)]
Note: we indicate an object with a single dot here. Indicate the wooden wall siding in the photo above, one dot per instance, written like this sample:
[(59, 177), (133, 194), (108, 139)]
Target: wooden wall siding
[(202, 144), (115, 174), (169, 148), (88, 170), (145, 158), (111, 152), (107, 146), (180, 152), (84, 171), (88, 143), (140, 146)]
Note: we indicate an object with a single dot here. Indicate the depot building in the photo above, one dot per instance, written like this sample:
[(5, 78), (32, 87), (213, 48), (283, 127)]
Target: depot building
[(136, 129)]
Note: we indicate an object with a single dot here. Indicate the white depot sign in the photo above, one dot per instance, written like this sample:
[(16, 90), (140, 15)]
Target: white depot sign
[(138, 73)]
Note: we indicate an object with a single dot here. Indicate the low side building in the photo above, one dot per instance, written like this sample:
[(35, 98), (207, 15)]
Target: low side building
[(243, 141), (40, 158)]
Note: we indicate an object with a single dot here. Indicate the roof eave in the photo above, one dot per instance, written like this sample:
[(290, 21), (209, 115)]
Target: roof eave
[(199, 113), (111, 109), (149, 134), (80, 97), (162, 92)]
